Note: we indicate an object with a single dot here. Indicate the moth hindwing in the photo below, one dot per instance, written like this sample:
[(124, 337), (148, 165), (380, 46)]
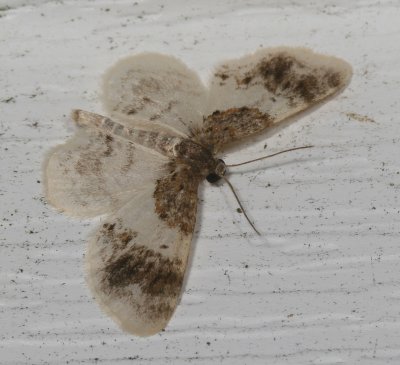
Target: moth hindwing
[(141, 166)]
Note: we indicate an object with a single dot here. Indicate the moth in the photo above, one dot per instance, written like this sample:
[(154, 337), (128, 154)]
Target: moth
[(142, 164)]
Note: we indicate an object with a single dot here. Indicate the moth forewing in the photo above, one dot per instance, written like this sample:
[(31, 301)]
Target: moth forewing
[(274, 84), (142, 165), (95, 173), (157, 88), (136, 263)]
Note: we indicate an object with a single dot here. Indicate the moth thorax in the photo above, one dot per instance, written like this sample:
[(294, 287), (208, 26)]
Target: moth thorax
[(219, 171)]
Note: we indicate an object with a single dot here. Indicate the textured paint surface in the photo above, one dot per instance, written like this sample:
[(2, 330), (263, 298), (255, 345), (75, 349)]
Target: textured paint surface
[(321, 286)]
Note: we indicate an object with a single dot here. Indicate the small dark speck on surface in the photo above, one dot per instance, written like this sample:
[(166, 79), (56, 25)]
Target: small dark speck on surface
[(4, 8), (11, 99)]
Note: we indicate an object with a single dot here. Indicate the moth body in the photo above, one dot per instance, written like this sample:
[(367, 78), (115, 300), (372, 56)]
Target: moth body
[(180, 150)]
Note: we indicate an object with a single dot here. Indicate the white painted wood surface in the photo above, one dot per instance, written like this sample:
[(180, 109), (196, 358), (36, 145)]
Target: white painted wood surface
[(321, 286)]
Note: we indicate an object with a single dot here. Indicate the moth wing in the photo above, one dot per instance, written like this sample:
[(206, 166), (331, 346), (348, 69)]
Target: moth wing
[(156, 88), (264, 88), (137, 259), (94, 173)]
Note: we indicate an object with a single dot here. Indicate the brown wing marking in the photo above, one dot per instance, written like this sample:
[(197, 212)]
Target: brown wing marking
[(223, 127), (176, 197), (158, 278), (285, 75)]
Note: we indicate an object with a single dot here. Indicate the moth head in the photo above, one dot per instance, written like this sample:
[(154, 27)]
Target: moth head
[(219, 171)]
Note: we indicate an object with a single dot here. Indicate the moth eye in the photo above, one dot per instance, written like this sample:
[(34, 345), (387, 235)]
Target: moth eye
[(212, 178)]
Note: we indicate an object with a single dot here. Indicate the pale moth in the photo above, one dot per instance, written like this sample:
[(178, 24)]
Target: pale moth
[(141, 166)]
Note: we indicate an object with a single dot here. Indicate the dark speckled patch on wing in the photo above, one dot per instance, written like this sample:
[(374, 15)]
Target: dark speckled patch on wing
[(284, 74), (175, 197), (128, 263), (223, 127), (156, 275)]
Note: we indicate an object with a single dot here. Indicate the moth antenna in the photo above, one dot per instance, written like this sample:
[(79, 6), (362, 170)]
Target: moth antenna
[(262, 158), (240, 204)]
